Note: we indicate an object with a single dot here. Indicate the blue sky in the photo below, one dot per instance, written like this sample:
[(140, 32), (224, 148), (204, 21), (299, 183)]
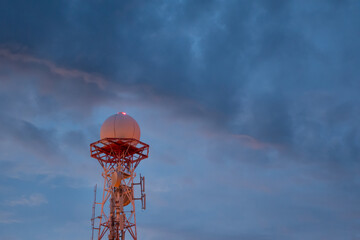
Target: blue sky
[(250, 108)]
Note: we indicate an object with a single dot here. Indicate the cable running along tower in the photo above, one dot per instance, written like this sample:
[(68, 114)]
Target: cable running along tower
[(119, 152)]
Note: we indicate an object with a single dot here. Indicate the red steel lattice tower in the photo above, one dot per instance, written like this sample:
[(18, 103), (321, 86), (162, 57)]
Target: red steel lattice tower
[(119, 152)]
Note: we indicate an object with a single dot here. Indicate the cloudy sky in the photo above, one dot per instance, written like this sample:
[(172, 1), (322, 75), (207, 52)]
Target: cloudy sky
[(251, 110)]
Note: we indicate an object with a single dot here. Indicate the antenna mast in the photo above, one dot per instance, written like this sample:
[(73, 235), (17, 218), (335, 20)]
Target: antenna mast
[(93, 214)]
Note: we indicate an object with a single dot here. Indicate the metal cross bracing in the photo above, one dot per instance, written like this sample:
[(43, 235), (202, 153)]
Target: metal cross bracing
[(119, 157)]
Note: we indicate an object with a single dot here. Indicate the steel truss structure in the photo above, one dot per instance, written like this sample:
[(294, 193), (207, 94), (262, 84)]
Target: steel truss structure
[(119, 157)]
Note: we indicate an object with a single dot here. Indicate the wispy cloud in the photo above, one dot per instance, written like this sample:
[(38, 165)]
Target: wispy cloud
[(35, 199), (7, 218), (54, 68)]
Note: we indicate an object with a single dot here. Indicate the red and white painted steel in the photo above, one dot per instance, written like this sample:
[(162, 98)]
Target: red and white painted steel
[(119, 158)]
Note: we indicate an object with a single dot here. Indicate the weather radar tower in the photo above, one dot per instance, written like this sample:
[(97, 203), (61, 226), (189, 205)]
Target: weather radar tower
[(119, 152)]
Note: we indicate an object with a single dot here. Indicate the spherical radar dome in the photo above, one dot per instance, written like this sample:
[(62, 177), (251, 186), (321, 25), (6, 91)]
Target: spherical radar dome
[(120, 125)]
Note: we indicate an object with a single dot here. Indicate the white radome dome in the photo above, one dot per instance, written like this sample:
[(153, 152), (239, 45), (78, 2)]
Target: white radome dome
[(120, 125)]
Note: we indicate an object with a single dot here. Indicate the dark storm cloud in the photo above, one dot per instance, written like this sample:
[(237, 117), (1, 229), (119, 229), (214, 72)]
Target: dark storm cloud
[(30, 24), (44, 88), (269, 119), (25, 135), (104, 37), (241, 66), (274, 83)]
